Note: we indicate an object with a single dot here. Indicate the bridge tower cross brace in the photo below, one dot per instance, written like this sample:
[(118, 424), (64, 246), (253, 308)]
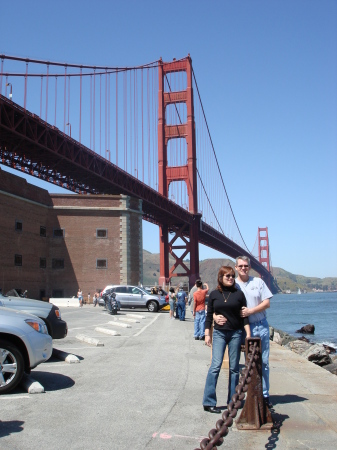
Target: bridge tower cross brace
[(187, 173), (264, 247)]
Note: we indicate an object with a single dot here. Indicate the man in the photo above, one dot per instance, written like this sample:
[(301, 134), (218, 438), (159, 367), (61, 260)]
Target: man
[(181, 304), (258, 300), (199, 298), (190, 297)]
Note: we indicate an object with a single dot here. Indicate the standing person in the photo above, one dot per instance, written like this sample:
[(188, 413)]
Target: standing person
[(89, 298), (258, 300), (181, 305), (95, 299), (172, 300), (199, 298), (190, 297), (80, 297), (227, 301)]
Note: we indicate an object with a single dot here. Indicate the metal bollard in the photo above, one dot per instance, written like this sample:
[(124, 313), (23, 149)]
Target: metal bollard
[(255, 414)]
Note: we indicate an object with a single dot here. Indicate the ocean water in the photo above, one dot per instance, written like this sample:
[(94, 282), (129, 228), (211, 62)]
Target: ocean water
[(289, 312)]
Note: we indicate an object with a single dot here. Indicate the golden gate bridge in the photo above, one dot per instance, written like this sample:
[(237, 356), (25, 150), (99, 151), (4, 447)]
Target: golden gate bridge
[(140, 131)]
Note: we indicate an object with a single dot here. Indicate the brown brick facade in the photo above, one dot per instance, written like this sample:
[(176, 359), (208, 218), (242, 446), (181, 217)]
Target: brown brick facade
[(101, 242)]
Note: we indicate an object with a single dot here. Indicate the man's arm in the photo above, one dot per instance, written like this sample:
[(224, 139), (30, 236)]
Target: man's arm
[(246, 312)]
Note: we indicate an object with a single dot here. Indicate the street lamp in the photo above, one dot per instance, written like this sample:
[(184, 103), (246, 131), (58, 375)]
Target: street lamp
[(107, 151), (11, 91), (69, 125)]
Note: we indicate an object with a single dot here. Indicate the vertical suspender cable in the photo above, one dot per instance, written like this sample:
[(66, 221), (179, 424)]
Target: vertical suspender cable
[(55, 100), (25, 99), (90, 111), (106, 112), (143, 162), (65, 99), (41, 98), (117, 118), (80, 126), (100, 115), (94, 113), (47, 93), (69, 105), (1, 74)]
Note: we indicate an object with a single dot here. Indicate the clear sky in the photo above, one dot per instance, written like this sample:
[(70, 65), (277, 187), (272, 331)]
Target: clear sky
[(267, 73)]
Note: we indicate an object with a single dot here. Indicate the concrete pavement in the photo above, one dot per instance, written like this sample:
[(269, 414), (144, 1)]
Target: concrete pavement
[(143, 390)]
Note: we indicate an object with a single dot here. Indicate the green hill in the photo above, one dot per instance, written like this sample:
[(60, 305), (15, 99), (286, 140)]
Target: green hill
[(286, 281)]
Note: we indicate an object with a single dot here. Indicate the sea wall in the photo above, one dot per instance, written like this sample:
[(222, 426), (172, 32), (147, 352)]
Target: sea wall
[(319, 354)]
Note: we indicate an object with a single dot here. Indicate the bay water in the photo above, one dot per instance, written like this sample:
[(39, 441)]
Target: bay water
[(290, 312)]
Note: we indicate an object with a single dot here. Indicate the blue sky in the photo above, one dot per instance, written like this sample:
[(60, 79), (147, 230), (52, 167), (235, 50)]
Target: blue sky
[(266, 71)]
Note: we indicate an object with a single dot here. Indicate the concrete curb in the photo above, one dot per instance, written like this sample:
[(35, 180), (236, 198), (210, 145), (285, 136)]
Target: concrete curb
[(64, 356), (118, 324), (125, 319), (31, 386), (89, 340), (107, 331), (136, 316)]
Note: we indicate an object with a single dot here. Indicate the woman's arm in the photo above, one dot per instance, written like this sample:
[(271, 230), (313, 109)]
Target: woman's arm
[(247, 330)]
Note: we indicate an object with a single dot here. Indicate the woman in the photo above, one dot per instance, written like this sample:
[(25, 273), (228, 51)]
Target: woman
[(172, 300), (227, 301), (80, 297)]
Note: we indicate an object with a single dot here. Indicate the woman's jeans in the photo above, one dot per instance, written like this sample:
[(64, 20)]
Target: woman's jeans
[(220, 339), (199, 324)]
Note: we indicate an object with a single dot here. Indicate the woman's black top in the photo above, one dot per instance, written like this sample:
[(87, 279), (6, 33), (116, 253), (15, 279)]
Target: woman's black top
[(230, 309)]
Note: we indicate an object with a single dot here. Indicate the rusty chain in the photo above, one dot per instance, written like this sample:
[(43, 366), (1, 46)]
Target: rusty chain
[(222, 426)]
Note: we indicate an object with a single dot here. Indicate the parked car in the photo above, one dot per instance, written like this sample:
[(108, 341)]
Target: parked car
[(49, 313), (24, 343), (136, 297)]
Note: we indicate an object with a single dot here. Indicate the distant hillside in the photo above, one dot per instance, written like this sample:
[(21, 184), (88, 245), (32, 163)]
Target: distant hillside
[(209, 269), (289, 281)]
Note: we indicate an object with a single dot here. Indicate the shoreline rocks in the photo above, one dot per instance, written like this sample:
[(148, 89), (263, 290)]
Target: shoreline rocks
[(316, 353), (307, 329)]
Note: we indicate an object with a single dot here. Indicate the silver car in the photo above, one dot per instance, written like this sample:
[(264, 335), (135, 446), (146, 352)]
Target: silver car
[(135, 297), (49, 313), (24, 343)]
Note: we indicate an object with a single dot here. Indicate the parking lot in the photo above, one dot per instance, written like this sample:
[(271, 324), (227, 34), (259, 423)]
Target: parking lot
[(118, 396), (141, 389)]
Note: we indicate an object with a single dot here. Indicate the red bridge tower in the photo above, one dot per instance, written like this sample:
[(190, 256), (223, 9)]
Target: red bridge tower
[(264, 256), (188, 173)]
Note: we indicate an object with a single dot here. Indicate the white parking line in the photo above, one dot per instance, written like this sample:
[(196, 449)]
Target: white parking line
[(143, 329), (14, 397)]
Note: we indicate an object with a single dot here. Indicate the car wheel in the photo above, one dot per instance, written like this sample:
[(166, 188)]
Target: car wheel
[(11, 366), (152, 306)]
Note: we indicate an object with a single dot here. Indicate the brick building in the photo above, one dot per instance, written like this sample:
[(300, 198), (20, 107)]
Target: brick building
[(52, 244)]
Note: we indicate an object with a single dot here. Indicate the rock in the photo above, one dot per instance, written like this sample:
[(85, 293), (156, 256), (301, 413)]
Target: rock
[(329, 349), (307, 329), (317, 354), (271, 333), (299, 346), (277, 338), (304, 339), (331, 368), (333, 358)]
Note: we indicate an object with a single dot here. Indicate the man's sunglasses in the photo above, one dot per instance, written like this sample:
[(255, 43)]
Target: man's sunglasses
[(243, 266)]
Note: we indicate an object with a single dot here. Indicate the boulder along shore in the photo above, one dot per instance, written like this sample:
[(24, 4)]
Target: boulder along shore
[(319, 354)]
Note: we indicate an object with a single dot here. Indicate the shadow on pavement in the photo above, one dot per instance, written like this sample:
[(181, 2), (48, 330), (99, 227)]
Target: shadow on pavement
[(53, 381), (289, 398), (10, 427)]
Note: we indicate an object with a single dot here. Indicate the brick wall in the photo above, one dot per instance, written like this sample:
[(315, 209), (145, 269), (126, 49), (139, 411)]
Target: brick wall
[(79, 216)]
